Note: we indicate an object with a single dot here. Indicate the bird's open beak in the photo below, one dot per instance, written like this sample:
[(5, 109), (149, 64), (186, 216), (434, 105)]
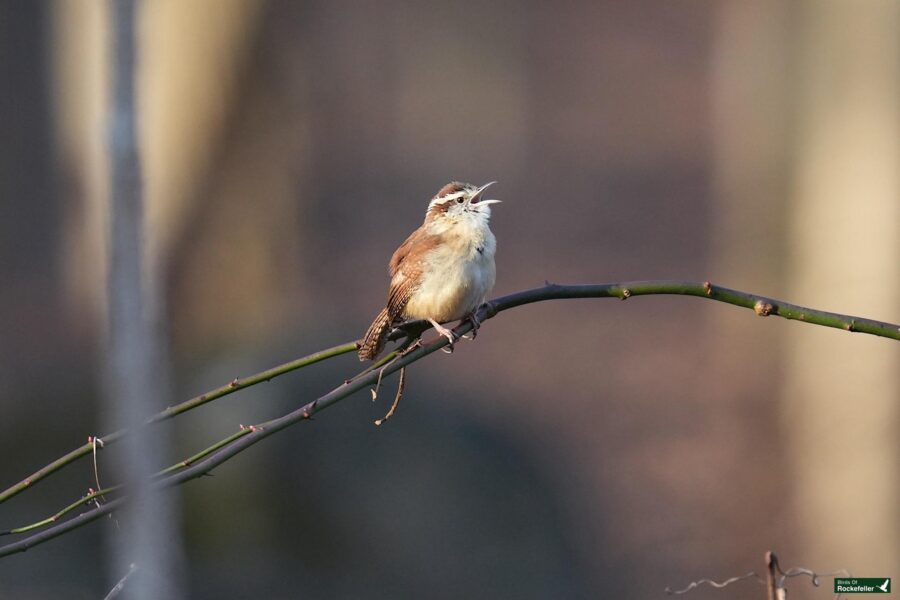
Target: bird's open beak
[(476, 197)]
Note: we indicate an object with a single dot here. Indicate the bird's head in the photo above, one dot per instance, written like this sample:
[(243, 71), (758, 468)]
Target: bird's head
[(456, 201)]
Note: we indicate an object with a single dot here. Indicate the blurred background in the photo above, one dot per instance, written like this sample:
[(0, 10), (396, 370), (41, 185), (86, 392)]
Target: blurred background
[(577, 449)]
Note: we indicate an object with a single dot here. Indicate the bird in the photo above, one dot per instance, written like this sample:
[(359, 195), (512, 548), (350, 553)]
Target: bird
[(444, 270)]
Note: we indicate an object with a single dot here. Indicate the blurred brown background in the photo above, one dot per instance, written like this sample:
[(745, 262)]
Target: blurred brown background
[(576, 449)]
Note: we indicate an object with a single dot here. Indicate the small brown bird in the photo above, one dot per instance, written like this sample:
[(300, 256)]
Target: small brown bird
[(443, 271)]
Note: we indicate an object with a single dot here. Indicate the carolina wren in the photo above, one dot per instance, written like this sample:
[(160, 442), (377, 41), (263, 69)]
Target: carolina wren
[(445, 268)]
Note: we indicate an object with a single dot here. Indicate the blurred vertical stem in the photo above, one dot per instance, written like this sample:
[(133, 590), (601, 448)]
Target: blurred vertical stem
[(135, 378)]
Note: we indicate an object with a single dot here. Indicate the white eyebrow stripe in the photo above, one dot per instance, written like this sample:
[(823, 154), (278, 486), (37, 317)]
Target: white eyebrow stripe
[(447, 198)]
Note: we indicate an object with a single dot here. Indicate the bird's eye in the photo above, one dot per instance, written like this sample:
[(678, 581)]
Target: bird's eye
[(459, 200)]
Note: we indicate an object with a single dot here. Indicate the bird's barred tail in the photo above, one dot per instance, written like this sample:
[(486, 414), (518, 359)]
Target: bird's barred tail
[(375, 337)]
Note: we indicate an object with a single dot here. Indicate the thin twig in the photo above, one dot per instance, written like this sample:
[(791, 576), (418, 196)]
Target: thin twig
[(711, 583), (92, 495), (774, 581), (381, 364), (400, 385), (813, 575), (95, 441), (763, 306), (377, 387)]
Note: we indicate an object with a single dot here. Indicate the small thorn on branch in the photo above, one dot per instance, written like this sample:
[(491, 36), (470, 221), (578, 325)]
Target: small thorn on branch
[(626, 294), (763, 309), (234, 383), (707, 287)]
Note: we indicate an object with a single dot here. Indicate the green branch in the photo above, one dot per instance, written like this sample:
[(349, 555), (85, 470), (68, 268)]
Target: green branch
[(92, 495), (761, 305), (240, 441), (183, 463), (173, 411)]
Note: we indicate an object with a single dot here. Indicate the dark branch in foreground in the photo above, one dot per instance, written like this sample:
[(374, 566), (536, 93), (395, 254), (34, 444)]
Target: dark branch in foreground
[(761, 305)]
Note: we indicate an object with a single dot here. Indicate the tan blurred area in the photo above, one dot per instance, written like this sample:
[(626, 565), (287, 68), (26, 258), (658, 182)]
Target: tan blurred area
[(576, 449)]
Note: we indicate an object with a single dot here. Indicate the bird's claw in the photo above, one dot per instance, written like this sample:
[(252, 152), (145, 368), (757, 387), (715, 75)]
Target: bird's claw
[(476, 324), (451, 340), (451, 337)]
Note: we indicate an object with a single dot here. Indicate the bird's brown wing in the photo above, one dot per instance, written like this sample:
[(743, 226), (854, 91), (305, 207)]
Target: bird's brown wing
[(403, 251), (406, 267)]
